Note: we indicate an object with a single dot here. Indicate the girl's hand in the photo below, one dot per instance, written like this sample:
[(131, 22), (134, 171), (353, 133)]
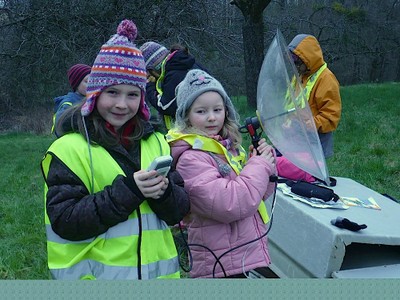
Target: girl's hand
[(151, 79), (265, 151), (150, 183)]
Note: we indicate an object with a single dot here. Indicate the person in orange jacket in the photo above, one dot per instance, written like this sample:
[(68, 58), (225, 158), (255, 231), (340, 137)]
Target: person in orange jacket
[(321, 87)]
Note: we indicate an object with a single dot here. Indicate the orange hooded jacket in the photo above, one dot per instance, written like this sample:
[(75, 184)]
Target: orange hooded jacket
[(325, 102)]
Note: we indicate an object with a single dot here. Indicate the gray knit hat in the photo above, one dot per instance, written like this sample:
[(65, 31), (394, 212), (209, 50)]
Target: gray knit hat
[(196, 83)]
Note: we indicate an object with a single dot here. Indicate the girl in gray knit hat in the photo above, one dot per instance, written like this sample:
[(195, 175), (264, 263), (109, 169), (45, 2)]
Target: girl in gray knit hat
[(226, 190)]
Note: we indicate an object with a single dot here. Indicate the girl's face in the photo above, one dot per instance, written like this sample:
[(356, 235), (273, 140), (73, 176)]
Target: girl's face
[(118, 104), (207, 113), (81, 89)]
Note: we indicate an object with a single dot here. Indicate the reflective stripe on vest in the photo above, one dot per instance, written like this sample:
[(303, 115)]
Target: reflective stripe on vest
[(162, 75), (152, 270), (129, 227), (312, 80), (168, 121), (54, 116), (113, 254), (210, 145)]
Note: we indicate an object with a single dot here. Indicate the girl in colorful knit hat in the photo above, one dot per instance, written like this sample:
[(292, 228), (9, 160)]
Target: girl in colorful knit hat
[(106, 216), (228, 216), (77, 77)]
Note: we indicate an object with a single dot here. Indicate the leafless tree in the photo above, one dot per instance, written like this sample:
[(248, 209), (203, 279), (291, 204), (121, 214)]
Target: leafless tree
[(253, 42), (41, 39)]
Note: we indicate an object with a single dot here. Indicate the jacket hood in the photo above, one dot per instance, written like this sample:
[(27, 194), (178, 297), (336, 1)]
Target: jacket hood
[(58, 100), (71, 98), (308, 49), (180, 61)]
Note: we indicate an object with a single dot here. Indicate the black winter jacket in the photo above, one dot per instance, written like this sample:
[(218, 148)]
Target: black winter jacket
[(75, 214), (176, 69)]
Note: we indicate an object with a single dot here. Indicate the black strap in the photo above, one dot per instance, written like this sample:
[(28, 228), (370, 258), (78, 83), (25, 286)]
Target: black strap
[(283, 180), (331, 179)]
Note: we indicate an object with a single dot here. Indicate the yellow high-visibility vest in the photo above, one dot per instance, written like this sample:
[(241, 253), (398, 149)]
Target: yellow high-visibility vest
[(55, 114), (167, 119), (113, 254), (305, 95)]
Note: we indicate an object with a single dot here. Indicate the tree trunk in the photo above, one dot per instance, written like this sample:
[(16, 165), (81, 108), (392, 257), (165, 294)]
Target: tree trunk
[(253, 44), (253, 48)]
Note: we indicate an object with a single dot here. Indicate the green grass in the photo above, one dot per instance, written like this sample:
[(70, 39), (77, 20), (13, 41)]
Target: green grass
[(22, 236), (366, 150), (367, 141)]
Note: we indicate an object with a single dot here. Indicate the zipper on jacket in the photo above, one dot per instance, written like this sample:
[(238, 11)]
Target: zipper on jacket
[(139, 264)]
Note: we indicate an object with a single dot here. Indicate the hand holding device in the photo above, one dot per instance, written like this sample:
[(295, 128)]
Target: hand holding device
[(161, 164), (252, 124)]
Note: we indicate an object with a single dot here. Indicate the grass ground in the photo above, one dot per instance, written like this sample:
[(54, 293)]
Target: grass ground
[(367, 147), (367, 141), (22, 237)]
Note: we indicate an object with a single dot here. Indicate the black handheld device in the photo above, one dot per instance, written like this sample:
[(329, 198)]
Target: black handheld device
[(251, 125)]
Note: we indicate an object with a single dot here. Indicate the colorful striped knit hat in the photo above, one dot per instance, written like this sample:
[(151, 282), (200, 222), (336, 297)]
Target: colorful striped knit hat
[(118, 62), (153, 54)]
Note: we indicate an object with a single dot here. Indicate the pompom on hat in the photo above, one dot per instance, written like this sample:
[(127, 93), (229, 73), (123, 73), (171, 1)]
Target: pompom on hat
[(153, 54), (118, 62), (198, 82)]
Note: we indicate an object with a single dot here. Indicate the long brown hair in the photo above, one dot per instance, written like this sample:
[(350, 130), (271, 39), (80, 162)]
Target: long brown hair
[(71, 120)]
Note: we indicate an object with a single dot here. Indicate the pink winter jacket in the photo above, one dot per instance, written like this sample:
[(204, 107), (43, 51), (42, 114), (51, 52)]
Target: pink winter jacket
[(224, 211)]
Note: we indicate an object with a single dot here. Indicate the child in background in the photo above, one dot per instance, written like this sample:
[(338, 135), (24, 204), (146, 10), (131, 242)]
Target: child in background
[(226, 192), (77, 76), (322, 86), (166, 69), (106, 216)]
